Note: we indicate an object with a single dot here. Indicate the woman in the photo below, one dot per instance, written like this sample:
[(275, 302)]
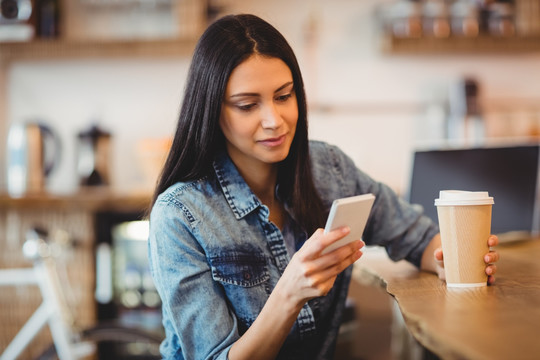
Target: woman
[(235, 239)]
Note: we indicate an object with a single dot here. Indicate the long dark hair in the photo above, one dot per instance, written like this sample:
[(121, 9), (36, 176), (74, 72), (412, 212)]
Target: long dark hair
[(224, 45)]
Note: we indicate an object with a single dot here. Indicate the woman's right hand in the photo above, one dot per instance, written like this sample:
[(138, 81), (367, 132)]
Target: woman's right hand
[(310, 273)]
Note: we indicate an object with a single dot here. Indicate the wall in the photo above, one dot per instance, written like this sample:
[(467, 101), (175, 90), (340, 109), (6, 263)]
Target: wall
[(132, 99), (375, 106)]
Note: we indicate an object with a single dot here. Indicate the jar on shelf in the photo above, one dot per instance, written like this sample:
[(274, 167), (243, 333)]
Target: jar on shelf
[(464, 18), (405, 19), (501, 19), (435, 19), (48, 18)]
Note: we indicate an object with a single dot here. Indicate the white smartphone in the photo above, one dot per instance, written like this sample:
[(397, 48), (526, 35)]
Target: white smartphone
[(352, 212)]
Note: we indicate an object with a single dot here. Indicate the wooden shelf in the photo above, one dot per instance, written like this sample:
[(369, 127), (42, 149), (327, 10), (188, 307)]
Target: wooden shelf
[(98, 199), (478, 45), (65, 49)]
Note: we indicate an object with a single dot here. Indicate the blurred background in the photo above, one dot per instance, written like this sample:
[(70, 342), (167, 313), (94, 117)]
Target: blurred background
[(373, 88), (90, 92)]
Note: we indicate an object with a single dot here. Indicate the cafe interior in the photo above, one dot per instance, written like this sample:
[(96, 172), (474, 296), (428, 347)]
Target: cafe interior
[(423, 95)]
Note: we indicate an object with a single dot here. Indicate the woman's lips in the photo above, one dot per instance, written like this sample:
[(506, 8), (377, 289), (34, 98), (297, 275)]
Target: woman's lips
[(272, 142)]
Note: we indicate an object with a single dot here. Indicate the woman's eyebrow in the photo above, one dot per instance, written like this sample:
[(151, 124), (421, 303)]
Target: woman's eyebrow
[(244, 94), (283, 86), (288, 83)]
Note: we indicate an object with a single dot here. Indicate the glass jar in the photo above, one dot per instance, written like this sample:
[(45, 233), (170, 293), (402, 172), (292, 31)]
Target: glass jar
[(464, 18), (435, 20), (501, 19), (405, 19)]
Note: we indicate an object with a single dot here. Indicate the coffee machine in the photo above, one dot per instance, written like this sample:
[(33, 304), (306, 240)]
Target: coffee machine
[(93, 158)]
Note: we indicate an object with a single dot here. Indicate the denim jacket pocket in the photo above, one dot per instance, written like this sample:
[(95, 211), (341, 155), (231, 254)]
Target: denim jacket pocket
[(241, 269)]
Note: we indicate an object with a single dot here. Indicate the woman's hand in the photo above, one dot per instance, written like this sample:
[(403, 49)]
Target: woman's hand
[(308, 275), (490, 258), (311, 274)]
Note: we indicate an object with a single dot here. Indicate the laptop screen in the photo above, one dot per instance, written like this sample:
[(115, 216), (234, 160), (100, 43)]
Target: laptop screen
[(509, 174)]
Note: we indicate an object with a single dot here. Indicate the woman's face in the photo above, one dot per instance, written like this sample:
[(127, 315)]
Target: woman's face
[(259, 112)]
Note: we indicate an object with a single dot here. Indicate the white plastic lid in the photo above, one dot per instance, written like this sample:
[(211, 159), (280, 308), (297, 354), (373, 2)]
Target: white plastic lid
[(458, 197)]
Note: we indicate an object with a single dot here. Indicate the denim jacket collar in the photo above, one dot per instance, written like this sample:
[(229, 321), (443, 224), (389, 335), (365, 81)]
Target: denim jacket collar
[(238, 194)]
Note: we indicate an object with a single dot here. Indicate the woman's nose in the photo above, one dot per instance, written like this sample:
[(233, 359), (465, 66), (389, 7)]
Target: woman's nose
[(271, 118)]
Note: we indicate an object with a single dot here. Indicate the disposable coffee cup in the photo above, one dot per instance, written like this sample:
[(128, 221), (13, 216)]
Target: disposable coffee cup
[(465, 225)]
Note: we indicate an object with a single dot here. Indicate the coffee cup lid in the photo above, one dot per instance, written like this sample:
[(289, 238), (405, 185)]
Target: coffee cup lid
[(458, 197)]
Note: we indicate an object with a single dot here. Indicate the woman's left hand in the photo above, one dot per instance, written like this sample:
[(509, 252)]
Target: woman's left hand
[(490, 258)]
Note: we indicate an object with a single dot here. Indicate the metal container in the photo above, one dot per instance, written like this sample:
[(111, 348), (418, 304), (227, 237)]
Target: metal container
[(33, 151)]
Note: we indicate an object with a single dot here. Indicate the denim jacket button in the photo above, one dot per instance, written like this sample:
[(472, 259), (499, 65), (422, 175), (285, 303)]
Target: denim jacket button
[(247, 275)]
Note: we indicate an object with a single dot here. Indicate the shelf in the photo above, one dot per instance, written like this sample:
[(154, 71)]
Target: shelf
[(65, 49), (87, 199), (478, 45)]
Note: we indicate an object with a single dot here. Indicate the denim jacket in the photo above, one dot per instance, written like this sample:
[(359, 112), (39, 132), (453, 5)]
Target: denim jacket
[(215, 257)]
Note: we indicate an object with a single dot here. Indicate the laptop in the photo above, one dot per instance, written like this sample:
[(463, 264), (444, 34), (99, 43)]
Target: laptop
[(509, 174)]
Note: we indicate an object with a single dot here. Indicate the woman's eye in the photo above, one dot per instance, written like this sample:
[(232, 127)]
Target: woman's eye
[(284, 97), (246, 107)]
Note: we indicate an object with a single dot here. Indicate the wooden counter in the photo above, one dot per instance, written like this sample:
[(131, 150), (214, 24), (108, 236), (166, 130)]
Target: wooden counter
[(494, 322)]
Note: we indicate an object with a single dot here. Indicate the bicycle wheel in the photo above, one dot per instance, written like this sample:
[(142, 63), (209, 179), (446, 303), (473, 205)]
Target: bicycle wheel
[(118, 342)]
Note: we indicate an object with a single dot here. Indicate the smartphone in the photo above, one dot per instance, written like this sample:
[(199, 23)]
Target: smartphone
[(352, 212)]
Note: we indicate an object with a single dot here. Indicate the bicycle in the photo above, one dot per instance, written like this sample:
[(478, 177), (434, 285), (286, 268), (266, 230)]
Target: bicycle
[(68, 342)]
